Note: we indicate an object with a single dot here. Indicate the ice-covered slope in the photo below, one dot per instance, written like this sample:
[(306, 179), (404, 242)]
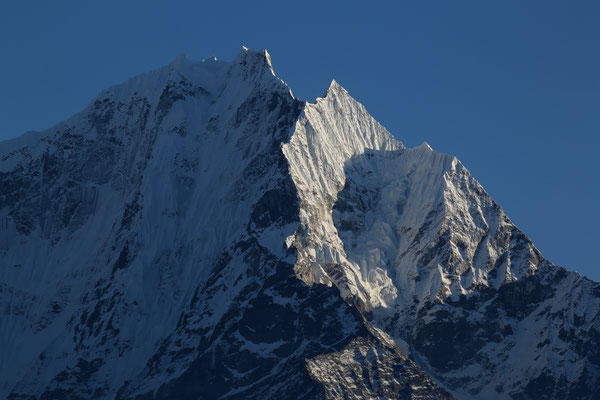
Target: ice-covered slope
[(198, 232)]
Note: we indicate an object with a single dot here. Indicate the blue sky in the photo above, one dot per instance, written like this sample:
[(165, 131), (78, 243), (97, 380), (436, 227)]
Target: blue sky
[(512, 88)]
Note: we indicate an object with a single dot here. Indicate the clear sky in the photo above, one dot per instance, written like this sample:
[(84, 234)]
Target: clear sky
[(510, 87)]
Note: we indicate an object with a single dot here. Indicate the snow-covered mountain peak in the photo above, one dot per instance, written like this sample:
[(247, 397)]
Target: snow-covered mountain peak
[(424, 146), (334, 90), (151, 245), (329, 135), (333, 86), (254, 59)]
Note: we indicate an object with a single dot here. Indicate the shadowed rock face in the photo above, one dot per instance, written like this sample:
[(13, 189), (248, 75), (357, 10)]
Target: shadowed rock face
[(198, 232), (372, 366)]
